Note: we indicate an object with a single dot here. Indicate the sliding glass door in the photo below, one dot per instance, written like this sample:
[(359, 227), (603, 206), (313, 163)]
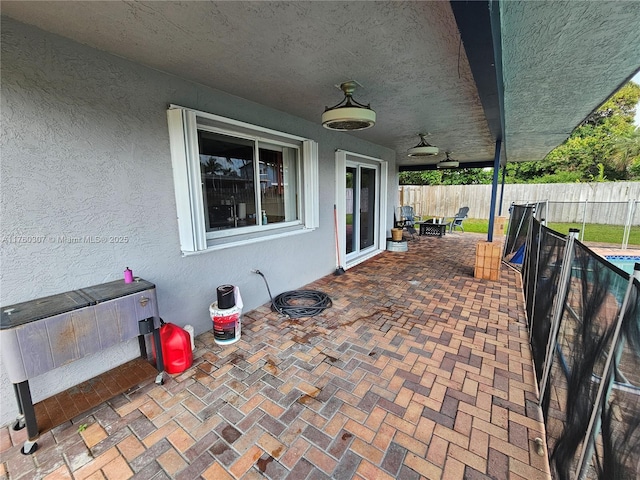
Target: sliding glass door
[(361, 208)]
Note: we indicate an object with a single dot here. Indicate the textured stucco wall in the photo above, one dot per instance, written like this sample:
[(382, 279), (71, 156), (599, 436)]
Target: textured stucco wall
[(558, 59), (85, 152)]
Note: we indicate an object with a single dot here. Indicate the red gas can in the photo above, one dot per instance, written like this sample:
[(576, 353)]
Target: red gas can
[(176, 348)]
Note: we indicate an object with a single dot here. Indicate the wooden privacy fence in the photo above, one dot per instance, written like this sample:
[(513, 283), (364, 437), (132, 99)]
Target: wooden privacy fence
[(609, 203)]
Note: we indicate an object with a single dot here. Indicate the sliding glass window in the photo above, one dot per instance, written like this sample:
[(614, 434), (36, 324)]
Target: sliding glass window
[(240, 191)]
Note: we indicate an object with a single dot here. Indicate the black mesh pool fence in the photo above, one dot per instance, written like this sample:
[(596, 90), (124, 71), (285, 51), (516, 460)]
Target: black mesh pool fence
[(590, 375)]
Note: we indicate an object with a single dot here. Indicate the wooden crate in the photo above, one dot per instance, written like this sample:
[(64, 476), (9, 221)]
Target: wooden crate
[(488, 260), (499, 226)]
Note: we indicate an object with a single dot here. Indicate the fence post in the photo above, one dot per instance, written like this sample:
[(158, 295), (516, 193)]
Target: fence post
[(507, 232), (584, 219), (627, 225), (606, 381), (535, 280), (558, 306)]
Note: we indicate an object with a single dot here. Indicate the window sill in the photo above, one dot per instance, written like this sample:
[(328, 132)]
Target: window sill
[(215, 247)]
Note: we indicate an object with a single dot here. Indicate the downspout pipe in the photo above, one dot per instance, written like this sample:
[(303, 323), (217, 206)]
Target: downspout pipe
[(494, 189)]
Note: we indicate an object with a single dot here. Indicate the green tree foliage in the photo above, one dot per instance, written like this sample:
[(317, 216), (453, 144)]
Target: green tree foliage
[(626, 153), (604, 147), (426, 177), (467, 176), (601, 147), (461, 176)]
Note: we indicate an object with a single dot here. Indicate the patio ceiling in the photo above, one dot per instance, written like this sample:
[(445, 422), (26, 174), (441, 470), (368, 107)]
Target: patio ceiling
[(423, 66)]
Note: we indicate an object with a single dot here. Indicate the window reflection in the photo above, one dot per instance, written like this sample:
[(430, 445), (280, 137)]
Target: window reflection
[(234, 196)]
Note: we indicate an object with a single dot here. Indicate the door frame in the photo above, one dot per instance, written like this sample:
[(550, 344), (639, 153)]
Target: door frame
[(342, 157)]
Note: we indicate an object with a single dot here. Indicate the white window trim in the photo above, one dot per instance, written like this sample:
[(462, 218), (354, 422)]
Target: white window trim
[(183, 128)]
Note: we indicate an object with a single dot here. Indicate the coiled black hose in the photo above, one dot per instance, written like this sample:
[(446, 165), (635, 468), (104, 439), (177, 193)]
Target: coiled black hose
[(314, 301)]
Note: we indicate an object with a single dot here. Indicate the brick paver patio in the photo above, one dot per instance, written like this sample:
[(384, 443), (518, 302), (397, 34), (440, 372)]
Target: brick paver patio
[(417, 371)]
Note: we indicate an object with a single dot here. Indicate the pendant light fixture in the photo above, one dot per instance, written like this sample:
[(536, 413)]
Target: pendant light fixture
[(348, 114), (423, 149), (448, 163)]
